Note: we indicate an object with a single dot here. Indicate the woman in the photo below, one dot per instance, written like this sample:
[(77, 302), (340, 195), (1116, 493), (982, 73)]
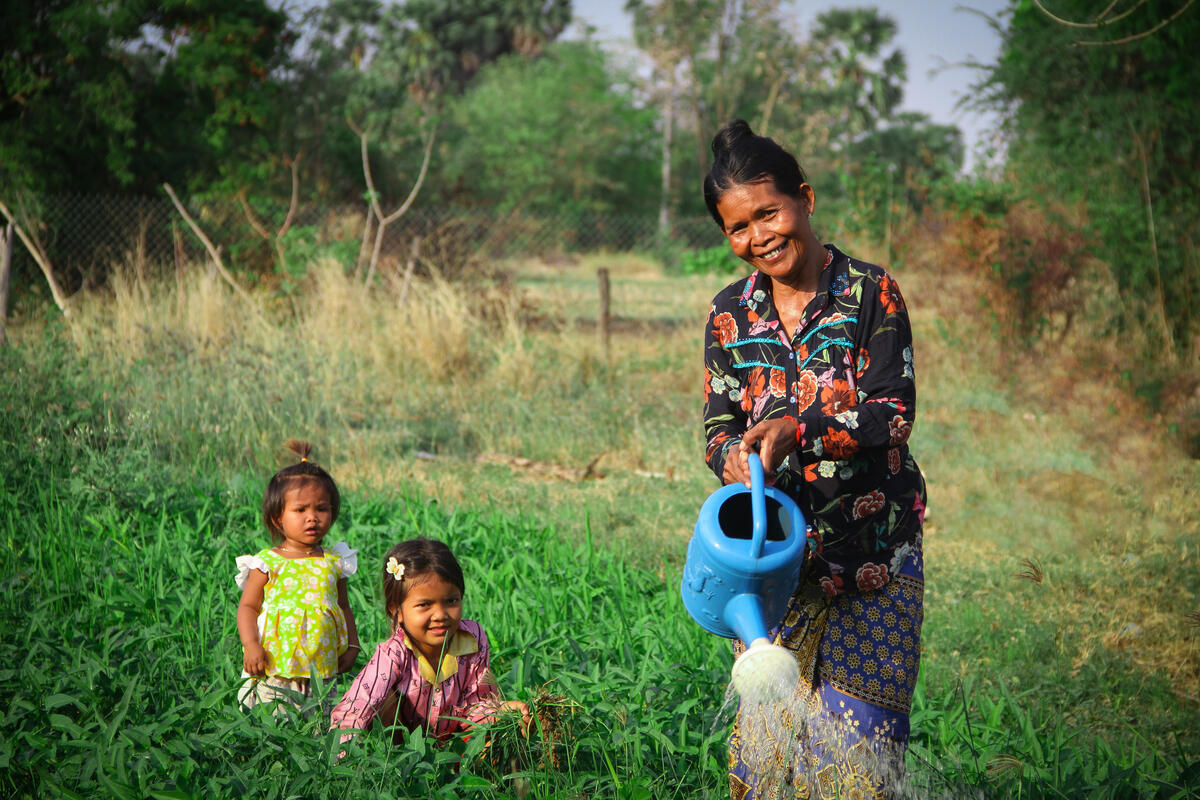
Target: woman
[(809, 363)]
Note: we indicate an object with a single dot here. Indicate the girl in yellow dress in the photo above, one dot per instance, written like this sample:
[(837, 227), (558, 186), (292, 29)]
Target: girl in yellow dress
[(294, 618)]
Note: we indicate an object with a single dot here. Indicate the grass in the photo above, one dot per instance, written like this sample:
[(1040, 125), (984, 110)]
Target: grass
[(136, 440), (122, 663)]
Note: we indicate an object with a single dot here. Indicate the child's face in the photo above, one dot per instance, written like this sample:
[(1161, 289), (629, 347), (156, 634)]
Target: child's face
[(306, 517), (430, 614)]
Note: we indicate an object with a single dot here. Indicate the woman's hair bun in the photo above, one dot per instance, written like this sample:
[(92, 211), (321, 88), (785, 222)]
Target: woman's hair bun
[(729, 135), (299, 447)]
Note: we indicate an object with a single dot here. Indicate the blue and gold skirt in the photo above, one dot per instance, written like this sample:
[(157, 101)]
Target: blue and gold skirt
[(845, 731)]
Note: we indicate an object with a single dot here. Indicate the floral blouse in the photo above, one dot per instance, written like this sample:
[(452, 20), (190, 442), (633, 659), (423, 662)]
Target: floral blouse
[(846, 375)]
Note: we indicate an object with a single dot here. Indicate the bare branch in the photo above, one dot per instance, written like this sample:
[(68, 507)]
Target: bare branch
[(39, 255), (275, 239), (412, 195), (1100, 21), (6, 248), (1144, 34), (373, 195), (294, 163), (1105, 12), (213, 253), (253, 220)]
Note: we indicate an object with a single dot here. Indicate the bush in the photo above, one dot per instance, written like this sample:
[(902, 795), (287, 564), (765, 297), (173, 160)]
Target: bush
[(719, 259)]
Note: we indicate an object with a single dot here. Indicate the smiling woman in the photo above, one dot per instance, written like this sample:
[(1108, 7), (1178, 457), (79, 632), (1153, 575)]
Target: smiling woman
[(808, 361)]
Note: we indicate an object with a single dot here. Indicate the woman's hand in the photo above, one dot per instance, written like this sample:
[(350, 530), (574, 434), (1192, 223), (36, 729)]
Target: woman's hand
[(773, 439), (347, 658), (737, 469), (254, 659)]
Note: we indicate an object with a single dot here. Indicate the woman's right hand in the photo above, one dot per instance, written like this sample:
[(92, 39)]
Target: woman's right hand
[(772, 439), (254, 659), (737, 468)]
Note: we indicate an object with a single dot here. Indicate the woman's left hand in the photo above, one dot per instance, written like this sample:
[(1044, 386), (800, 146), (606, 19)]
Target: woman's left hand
[(774, 440)]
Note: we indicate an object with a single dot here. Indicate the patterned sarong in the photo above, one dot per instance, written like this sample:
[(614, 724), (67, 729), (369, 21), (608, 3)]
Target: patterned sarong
[(845, 731)]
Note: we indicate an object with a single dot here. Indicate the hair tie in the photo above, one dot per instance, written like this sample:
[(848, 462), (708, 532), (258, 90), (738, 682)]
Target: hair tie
[(395, 568)]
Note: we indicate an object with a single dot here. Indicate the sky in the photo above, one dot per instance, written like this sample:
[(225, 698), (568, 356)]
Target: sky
[(937, 37)]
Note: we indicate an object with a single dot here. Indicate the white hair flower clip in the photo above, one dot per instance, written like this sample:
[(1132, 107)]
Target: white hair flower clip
[(395, 568)]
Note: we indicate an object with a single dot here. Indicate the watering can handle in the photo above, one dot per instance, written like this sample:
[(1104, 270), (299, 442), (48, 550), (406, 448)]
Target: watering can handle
[(758, 506)]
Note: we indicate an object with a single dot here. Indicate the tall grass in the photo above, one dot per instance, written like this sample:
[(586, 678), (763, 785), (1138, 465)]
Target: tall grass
[(384, 383)]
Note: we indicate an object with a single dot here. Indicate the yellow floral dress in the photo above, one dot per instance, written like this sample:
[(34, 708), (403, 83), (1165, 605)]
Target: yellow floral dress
[(301, 625)]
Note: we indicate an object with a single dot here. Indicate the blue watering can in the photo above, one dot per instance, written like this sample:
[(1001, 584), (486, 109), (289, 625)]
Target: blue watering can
[(742, 566)]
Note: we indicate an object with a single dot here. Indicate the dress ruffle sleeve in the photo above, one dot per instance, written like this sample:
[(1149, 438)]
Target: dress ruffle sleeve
[(247, 563), (348, 557)]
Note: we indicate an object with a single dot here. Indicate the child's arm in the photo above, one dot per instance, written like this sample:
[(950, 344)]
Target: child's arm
[(346, 660), (372, 686), (481, 697), (254, 658)]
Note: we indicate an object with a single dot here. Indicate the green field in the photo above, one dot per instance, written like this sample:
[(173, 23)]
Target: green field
[(136, 439)]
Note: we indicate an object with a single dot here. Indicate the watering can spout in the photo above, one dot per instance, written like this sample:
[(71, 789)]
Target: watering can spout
[(744, 614)]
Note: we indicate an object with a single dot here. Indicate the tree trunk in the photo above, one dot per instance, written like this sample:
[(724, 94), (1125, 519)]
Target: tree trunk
[(664, 207), (42, 260), (1161, 301), (5, 272), (701, 132)]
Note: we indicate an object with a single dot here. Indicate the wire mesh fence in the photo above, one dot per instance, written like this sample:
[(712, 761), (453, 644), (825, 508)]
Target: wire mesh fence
[(86, 236)]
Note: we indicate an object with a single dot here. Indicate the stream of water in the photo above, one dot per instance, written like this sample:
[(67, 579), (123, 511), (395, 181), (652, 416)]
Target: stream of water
[(797, 748)]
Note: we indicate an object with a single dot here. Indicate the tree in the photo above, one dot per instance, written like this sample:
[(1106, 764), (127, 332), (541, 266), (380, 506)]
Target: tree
[(918, 152), (562, 134), (101, 97), (67, 107), (411, 60), (104, 97), (663, 32), (856, 77), (456, 39), (743, 58), (1113, 126), (714, 60)]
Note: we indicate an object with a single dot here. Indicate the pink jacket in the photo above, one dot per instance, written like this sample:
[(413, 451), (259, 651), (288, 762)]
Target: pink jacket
[(466, 693)]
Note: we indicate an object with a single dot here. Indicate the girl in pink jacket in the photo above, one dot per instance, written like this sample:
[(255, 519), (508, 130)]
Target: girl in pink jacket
[(433, 672)]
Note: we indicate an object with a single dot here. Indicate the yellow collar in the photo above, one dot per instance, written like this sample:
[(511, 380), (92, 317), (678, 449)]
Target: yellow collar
[(463, 644)]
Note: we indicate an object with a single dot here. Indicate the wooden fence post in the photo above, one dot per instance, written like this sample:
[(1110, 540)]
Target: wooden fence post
[(602, 276)]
